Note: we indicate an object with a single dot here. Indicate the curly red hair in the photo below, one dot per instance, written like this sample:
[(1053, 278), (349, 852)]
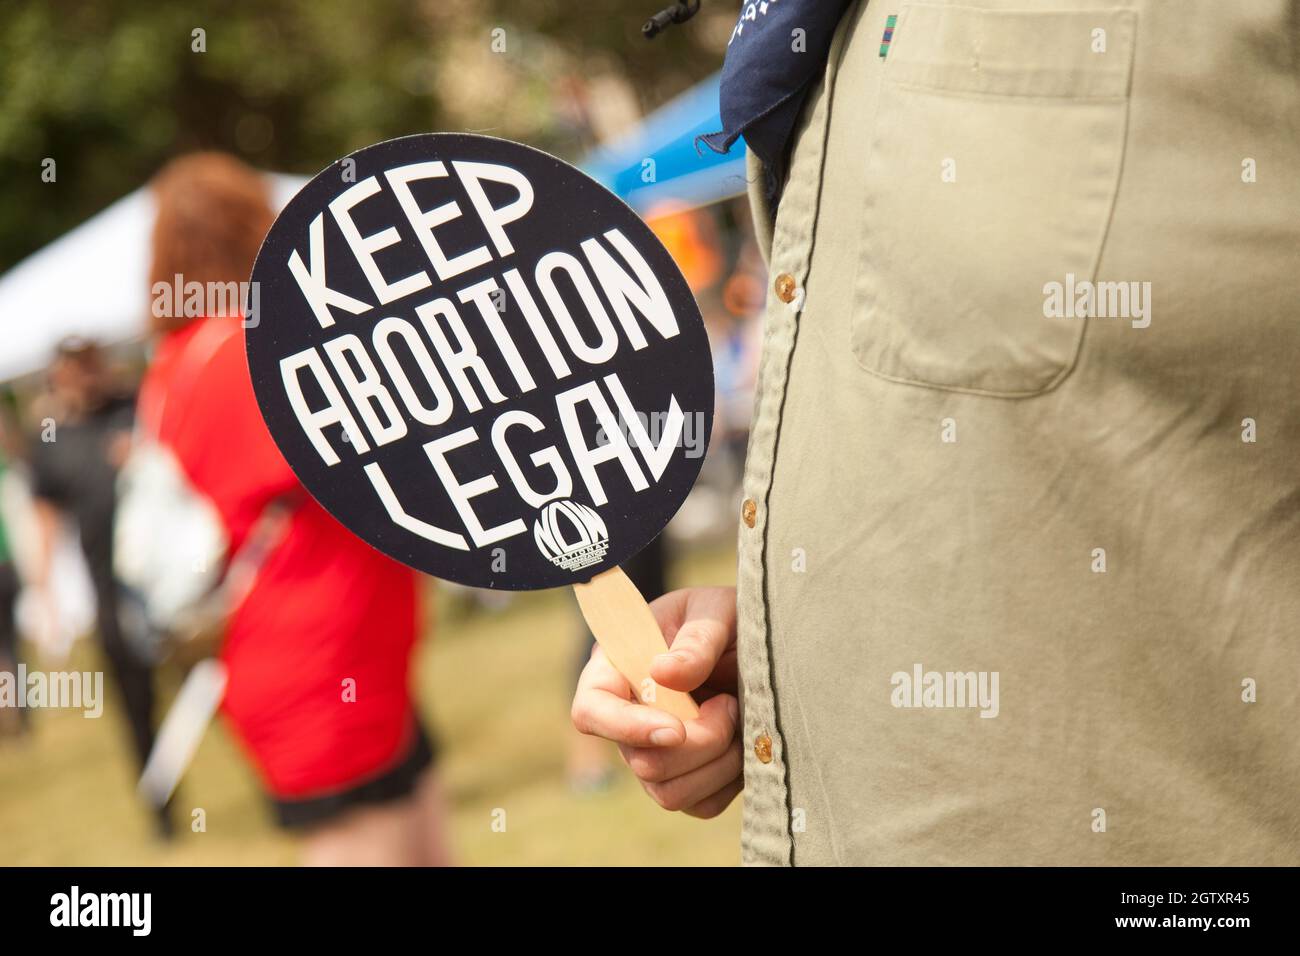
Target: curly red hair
[(213, 212)]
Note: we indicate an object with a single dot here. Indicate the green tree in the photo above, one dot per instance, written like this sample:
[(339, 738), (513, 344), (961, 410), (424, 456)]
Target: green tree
[(110, 89)]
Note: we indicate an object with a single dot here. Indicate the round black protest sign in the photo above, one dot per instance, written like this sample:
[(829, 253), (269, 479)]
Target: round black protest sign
[(480, 361)]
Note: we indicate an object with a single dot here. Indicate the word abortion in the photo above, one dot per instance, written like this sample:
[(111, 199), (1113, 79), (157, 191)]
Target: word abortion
[(429, 366)]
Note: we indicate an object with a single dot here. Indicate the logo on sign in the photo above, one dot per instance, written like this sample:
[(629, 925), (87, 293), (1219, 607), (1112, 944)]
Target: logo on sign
[(571, 535)]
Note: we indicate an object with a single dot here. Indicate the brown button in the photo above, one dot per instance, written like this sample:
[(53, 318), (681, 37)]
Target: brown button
[(763, 748), (785, 287), (747, 512)]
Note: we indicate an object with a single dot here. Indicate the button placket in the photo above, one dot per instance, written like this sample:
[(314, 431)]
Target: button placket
[(766, 836)]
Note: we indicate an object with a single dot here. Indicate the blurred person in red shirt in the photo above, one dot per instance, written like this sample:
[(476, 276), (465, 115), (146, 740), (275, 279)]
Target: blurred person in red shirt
[(319, 650)]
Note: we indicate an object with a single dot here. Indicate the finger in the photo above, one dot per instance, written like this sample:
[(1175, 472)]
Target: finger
[(705, 634), (602, 708), (599, 673), (710, 807), (707, 738), (693, 788)]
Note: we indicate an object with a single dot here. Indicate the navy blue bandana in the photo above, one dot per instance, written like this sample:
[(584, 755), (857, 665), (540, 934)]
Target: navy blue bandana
[(776, 52)]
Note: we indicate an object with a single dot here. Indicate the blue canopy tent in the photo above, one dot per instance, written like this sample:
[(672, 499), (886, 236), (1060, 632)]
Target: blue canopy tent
[(658, 165)]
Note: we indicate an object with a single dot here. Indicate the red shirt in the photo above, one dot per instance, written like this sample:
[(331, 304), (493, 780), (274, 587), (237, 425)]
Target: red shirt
[(326, 607)]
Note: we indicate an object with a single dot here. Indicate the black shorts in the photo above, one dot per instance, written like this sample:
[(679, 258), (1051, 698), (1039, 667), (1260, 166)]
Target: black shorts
[(396, 783)]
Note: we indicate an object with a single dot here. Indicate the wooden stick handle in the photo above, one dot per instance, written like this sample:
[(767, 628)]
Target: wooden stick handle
[(627, 632)]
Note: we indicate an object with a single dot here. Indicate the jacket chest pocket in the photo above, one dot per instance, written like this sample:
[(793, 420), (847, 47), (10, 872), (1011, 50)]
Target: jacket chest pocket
[(992, 172)]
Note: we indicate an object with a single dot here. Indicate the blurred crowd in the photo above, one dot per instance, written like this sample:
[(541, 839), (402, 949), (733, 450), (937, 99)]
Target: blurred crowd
[(167, 426)]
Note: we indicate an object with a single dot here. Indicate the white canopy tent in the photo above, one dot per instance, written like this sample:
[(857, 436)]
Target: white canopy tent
[(93, 281)]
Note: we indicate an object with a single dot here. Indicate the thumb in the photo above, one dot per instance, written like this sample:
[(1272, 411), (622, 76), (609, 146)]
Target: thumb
[(696, 649)]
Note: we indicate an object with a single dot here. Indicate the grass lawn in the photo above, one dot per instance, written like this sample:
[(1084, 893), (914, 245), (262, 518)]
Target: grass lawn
[(495, 685)]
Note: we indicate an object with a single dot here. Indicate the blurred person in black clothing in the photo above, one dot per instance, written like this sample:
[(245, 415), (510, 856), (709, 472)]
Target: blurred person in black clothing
[(10, 721), (83, 440)]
